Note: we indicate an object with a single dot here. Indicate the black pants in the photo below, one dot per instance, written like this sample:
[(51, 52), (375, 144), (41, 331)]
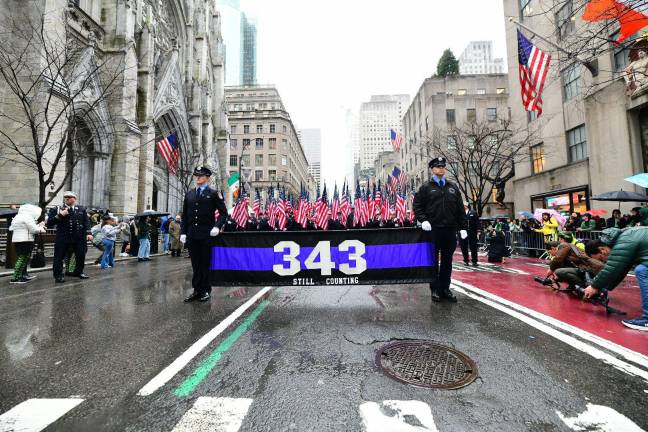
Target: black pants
[(200, 253), (469, 242), (445, 240), (124, 246), (60, 249)]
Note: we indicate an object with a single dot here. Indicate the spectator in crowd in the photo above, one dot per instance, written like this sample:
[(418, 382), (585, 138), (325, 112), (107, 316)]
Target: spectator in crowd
[(569, 238), (515, 226), (24, 227), (125, 235), (636, 217), (144, 238), (629, 248), (164, 230), (588, 224), (174, 233), (549, 227), (110, 229), (573, 223)]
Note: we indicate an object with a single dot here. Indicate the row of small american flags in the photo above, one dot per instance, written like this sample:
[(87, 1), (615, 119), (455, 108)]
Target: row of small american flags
[(366, 204)]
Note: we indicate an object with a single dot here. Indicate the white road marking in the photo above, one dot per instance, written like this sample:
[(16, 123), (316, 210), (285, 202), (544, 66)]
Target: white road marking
[(397, 416), (599, 418), (512, 309), (178, 364), (34, 415), (210, 414)]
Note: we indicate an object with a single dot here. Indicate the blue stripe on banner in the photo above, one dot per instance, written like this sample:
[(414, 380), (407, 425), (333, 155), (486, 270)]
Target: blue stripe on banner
[(378, 257)]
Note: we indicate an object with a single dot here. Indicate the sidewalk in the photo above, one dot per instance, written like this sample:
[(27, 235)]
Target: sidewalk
[(513, 282)]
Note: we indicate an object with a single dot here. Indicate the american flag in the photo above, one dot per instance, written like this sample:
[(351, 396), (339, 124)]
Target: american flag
[(399, 177), (378, 198), (282, 220), (270, 209), (240, 212), (385, 211), (396, 139), (371, 204), (400, 206), (345, 205), (534, 66), (335, 204), (256, 207), (170, 151), (322, 212), (302, 211)]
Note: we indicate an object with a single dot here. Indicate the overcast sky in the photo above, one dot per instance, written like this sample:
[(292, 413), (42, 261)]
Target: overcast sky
[(329, 56)]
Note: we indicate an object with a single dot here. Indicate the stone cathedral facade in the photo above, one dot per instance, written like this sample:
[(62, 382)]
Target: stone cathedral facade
[(173, 79)]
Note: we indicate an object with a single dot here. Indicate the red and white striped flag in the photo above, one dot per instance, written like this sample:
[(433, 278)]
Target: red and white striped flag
[(534, 66), (256, 207), (240, 212), (170, 151), (400, 207)]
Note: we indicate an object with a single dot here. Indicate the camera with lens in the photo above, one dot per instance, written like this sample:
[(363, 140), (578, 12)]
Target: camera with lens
[(544, 281)]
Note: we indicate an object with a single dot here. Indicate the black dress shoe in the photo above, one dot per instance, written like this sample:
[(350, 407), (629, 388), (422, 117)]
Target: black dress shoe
[(447, 294), (435, 295), (475, 264), (466, 263), (59, 280), (83, 276), (194, 296), (204, 297)]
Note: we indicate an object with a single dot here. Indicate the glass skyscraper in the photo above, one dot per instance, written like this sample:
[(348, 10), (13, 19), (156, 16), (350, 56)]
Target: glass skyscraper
[(248, 50), (231, 31)]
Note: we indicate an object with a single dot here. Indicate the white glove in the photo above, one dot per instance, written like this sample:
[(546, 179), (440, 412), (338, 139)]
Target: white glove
[(426, 226), (183, 238), (214, 232), (463, 234)]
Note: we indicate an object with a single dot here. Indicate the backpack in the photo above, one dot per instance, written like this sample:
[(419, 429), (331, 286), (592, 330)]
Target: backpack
[(97, 236)]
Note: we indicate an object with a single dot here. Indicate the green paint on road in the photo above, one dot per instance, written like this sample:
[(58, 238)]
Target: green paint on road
[(190, 384)]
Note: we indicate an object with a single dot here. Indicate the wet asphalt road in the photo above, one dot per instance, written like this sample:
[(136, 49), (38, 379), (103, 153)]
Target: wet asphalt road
[(307, 361)]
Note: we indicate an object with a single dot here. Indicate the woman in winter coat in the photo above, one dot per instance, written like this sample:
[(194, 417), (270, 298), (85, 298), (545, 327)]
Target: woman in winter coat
[(125, 234), (144, 237), (174, 232), (24, 227), (588, 224)]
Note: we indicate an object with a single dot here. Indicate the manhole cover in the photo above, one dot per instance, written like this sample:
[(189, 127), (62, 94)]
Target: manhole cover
[(426, 364)]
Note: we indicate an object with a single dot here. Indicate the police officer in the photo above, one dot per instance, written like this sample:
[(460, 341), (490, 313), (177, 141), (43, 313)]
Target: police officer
[(439, 207), (72, 231), (472, 219), (199, 224)]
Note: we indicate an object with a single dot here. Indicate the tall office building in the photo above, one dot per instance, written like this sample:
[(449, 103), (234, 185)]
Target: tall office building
[(377, 117), (311, 140), (477, 58), (248, 50), (230, 11)]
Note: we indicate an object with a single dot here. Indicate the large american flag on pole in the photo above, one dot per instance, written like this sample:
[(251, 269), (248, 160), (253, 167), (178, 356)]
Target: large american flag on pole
[(534, 66), (396, 139), (170, 151)]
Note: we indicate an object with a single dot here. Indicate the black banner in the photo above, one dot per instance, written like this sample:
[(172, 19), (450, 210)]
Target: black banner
[(354, 257)]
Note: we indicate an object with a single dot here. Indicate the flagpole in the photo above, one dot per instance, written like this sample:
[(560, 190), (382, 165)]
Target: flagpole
[(588, 65)]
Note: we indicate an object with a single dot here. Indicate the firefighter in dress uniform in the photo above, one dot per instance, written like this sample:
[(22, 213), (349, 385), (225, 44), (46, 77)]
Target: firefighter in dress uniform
[(199, 225), (72, 231), (439, 208)]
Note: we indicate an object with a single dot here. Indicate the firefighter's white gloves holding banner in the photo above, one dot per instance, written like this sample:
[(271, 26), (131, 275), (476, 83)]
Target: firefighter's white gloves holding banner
[(183, 238), (463, 234), (214, 232), (426, 226)]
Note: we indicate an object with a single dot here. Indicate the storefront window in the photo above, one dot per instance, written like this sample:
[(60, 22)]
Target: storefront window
[(565, 202)]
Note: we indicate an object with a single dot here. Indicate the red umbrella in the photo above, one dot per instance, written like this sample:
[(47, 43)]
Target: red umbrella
[(597, 212)]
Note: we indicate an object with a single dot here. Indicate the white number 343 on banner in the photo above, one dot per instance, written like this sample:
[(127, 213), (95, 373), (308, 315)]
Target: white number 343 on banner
[(291, 264)]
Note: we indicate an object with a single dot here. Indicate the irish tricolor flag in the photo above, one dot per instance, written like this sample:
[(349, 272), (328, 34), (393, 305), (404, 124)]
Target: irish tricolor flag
[(234, 184)]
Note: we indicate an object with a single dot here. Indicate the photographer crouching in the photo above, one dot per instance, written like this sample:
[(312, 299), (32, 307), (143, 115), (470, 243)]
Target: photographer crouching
[(570, 264), (621, 250)]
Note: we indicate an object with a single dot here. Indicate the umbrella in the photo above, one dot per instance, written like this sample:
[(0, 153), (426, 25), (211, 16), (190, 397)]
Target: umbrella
[(553, 213), (8, 213), (621, 196), (151, 213), (639, 180), (526, 214), (597, 212)]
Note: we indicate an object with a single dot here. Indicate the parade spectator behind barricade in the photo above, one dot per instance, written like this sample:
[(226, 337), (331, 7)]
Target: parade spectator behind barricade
[(616, 221), (570, 262), (549, 227), (515, 226), (72, 231), (125, 235), (573, 223), (144, 238), (497, 245), (568, 237), (24, 227), (629, 247), (588, 224), (174, 233), (636, 217), (110, 229), (600, 223)]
